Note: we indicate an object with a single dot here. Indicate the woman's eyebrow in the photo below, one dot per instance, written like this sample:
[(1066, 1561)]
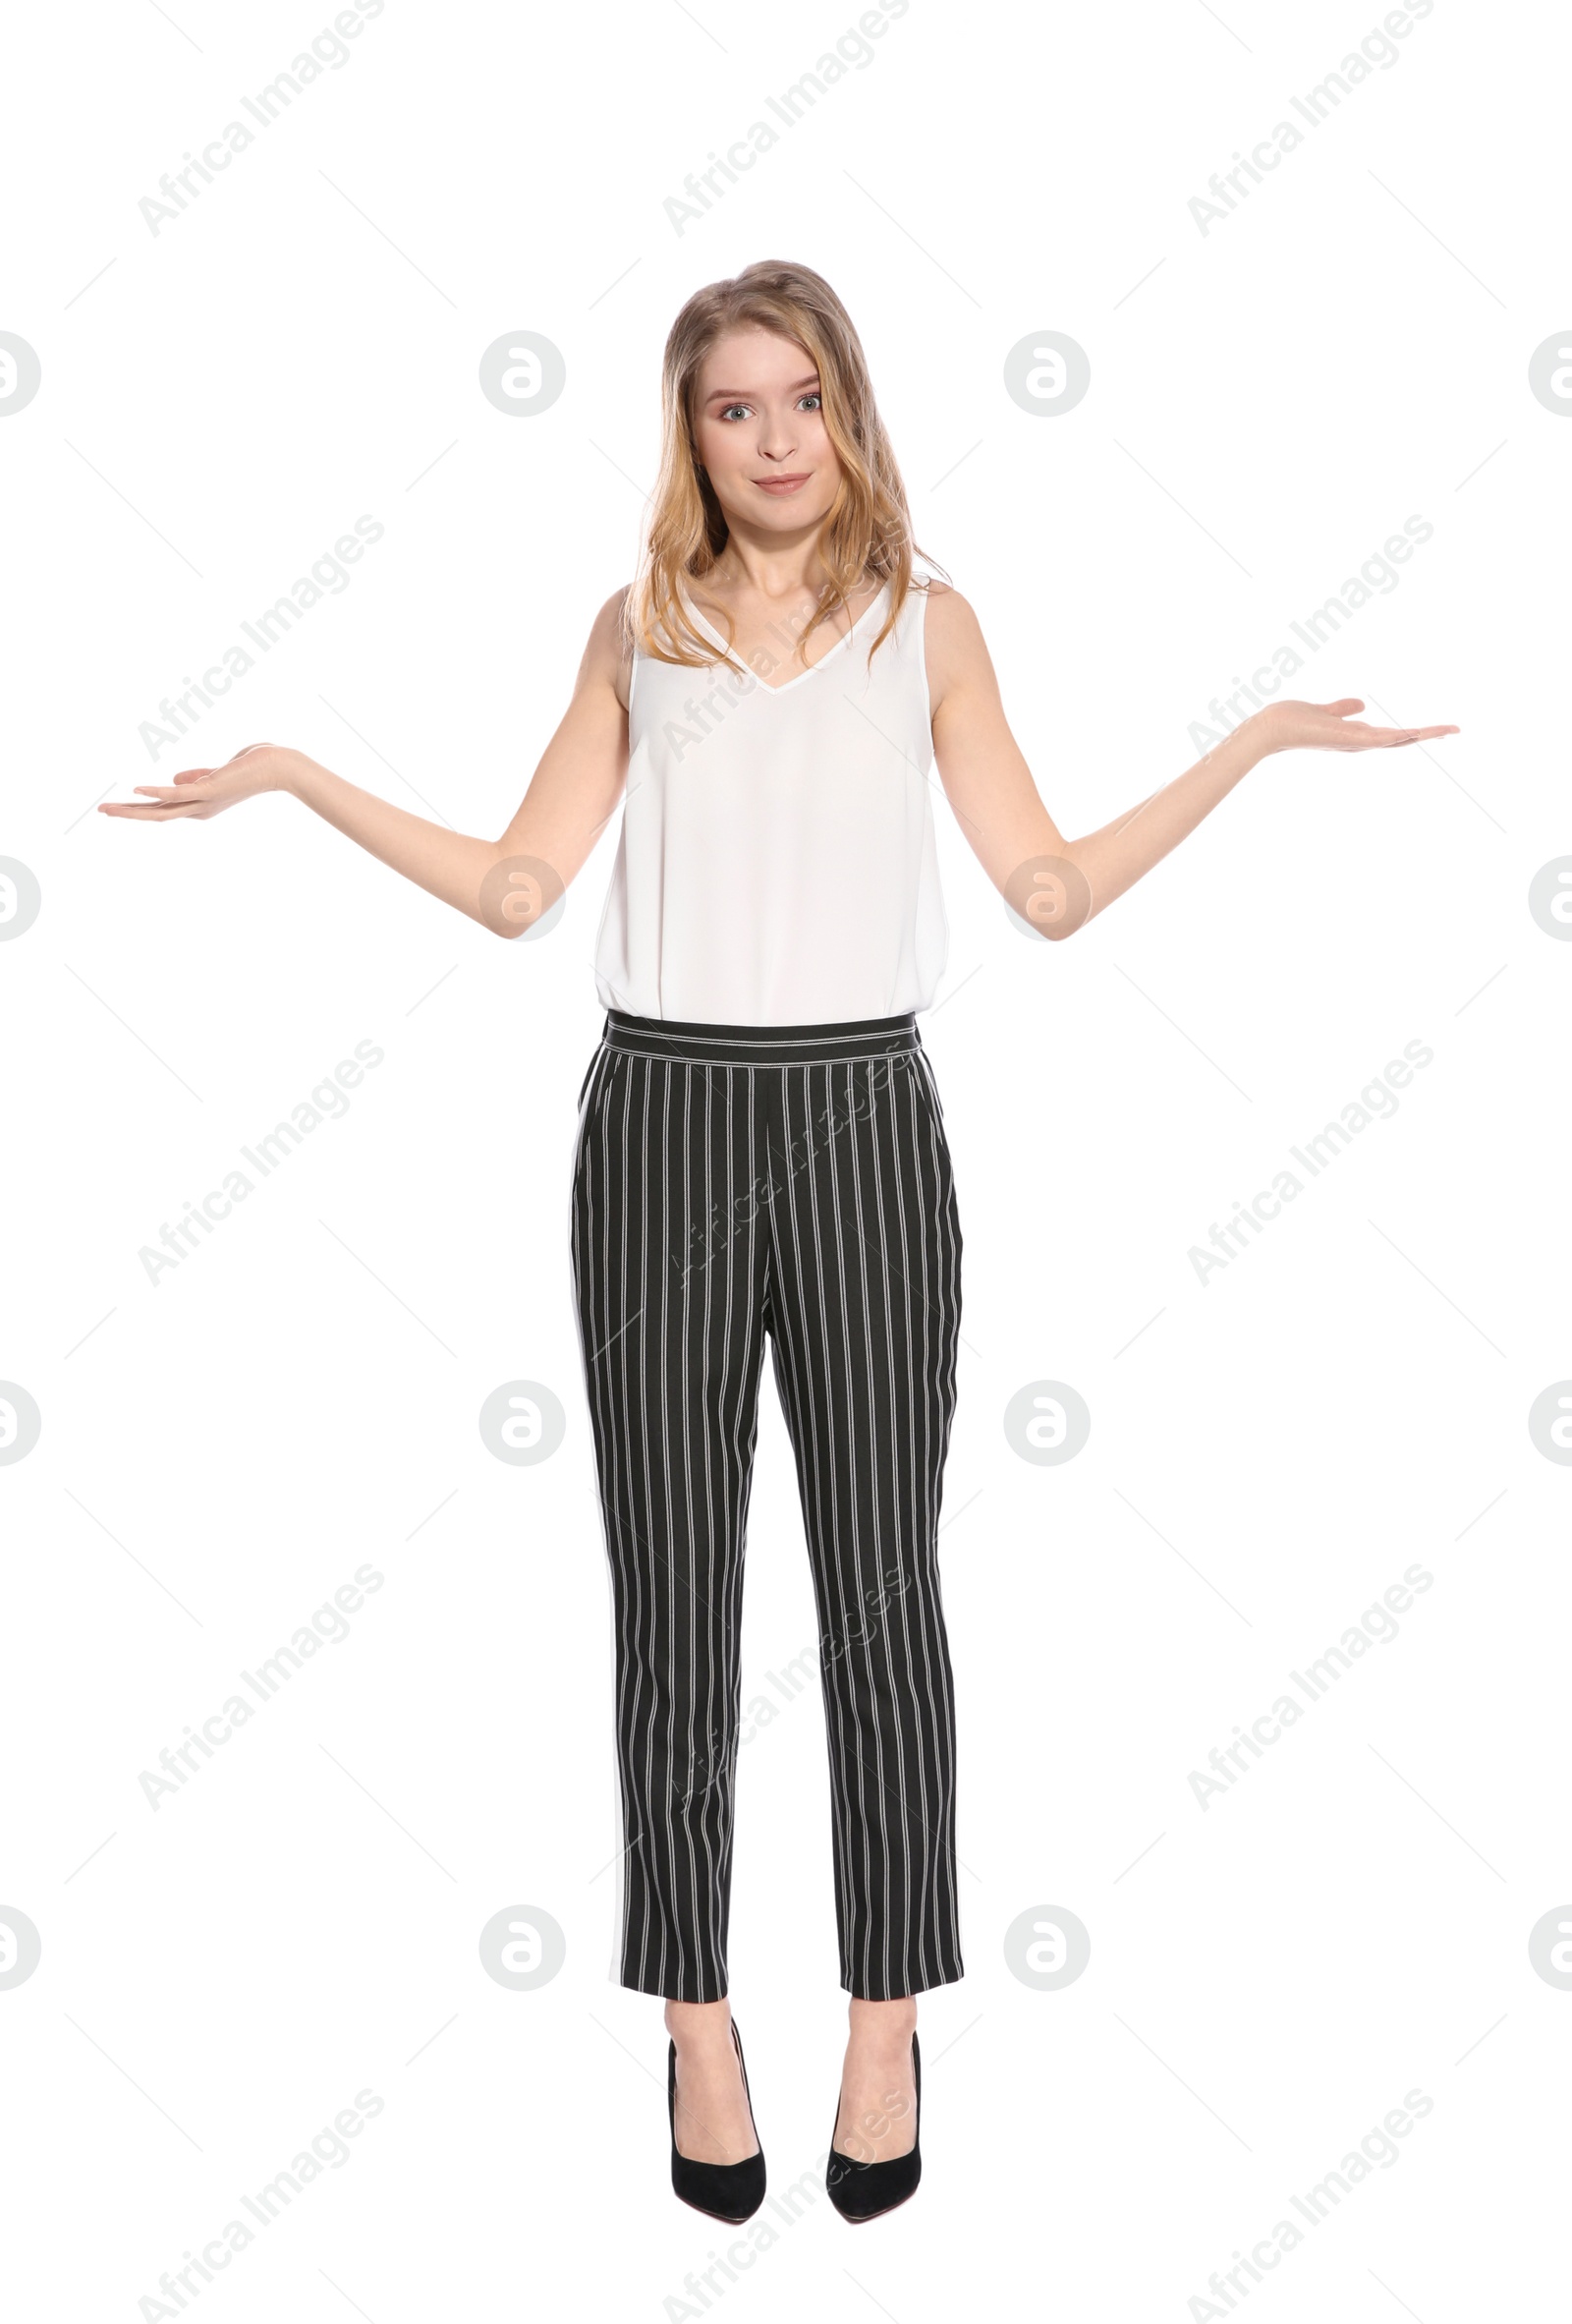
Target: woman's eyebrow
[(743, 395)]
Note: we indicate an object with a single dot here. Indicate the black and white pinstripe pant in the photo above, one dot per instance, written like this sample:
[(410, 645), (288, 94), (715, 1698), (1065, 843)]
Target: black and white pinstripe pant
[(733, 1182)]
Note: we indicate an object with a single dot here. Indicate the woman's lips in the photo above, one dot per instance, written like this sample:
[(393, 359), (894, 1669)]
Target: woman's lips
[(781, 486)]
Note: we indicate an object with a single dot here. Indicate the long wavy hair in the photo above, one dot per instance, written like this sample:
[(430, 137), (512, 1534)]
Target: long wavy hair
[(868, 527)]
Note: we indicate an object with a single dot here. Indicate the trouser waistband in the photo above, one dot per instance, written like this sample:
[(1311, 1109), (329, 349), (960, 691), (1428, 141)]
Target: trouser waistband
[(762, 1045)]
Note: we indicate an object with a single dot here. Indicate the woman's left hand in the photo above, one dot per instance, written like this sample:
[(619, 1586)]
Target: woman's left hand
[(1332, 726)]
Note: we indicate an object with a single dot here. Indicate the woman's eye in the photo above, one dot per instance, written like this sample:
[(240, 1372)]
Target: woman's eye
[(815, 398)]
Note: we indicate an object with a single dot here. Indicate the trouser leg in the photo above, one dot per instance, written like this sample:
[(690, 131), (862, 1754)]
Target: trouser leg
[(864, 1315), (667, 1259)]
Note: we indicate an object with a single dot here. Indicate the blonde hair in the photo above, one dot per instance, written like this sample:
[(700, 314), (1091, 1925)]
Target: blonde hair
[(868, 527)]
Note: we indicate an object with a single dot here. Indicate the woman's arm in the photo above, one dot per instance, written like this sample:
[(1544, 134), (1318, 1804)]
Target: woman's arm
[(1059, 883), (571, 796)]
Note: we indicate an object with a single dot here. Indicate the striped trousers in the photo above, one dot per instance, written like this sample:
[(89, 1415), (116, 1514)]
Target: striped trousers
[(733, 1184)]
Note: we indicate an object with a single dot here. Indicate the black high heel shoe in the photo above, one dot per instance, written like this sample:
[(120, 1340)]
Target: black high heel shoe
[(865, 2191), (732, 2191)]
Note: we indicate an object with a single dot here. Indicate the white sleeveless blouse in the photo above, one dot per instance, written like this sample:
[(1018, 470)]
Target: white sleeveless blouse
[(776, 863)]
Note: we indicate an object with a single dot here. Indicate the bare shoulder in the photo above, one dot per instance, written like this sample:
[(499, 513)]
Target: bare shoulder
[(949, 614), (952, 641), (608, 653)]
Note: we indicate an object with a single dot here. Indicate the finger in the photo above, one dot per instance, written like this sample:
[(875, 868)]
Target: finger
[(175, 812), (196, 774), (1344, 709), (164, 791)]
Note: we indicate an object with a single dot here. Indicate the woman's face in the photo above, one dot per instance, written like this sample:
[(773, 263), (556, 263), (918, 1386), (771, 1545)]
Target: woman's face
[(759, 430)]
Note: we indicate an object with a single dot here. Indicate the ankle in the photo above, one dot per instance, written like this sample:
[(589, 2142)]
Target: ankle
[(883, 2027), (700, 2025)]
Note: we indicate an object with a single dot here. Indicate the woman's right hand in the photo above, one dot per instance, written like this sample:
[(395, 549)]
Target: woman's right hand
[(208, 790), (571, 798)]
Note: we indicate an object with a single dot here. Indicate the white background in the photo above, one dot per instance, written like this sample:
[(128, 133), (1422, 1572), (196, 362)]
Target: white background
[(1268, 1452)]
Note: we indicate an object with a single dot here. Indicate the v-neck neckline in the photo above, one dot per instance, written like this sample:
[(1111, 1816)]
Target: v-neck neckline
[(813, 668)]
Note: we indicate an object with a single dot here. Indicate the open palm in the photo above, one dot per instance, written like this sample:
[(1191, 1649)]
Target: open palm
[(1332, 726), (202, 791)]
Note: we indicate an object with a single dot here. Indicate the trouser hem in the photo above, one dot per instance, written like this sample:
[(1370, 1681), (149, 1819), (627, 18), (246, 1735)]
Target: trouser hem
[(860, 1991), (680, 1989)]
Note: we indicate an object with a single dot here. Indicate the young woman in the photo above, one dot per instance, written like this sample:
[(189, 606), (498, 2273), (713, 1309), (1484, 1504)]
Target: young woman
[(760, 1152)]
